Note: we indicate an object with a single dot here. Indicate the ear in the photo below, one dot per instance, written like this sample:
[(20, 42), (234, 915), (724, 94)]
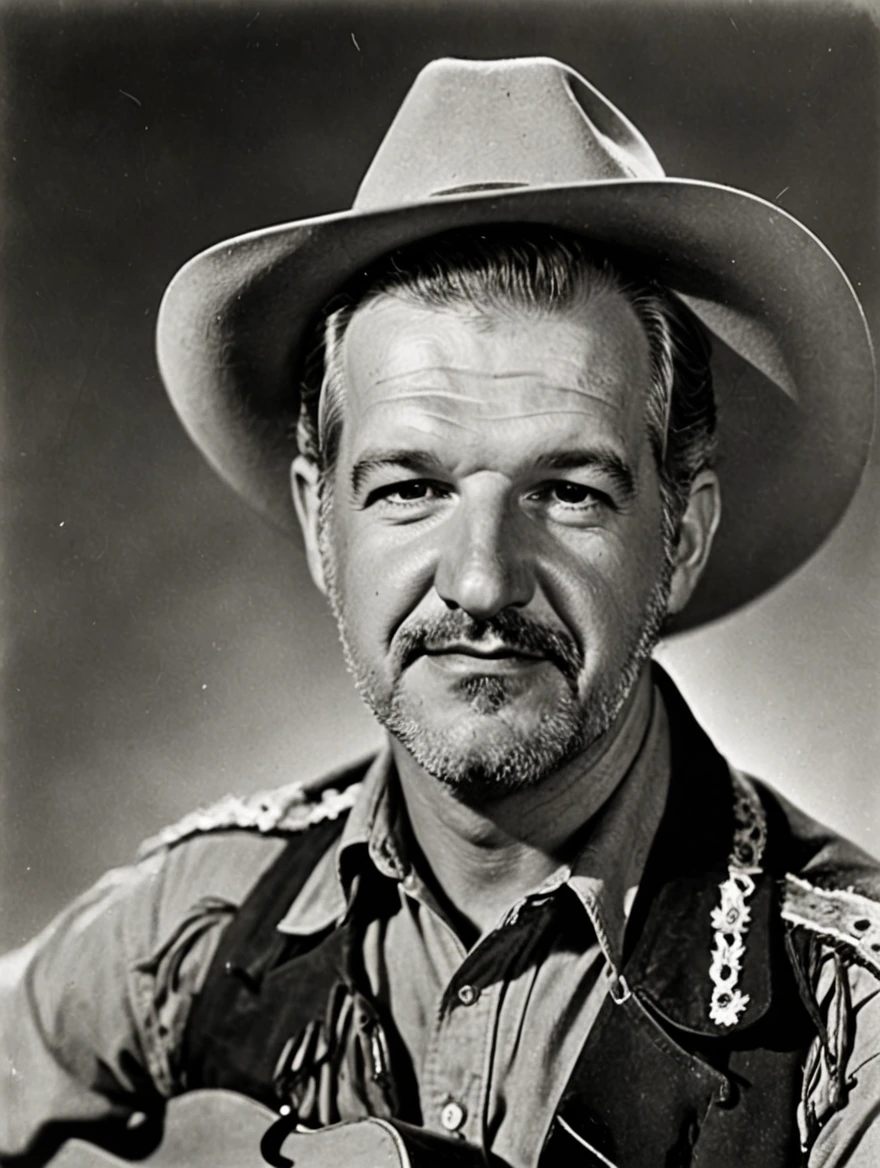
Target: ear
[(695, 534), (304, 486)]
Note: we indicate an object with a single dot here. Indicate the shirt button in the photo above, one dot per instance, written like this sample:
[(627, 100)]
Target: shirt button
[(452, 1116), (468, 994)]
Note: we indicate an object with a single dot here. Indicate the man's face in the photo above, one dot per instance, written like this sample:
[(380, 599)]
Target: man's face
[(492, 545)]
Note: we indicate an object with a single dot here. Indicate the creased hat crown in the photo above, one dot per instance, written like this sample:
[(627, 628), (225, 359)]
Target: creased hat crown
[(468, 126)]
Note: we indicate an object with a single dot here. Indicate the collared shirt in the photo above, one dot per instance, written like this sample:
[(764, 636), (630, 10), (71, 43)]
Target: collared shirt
[(92, 1012), (493, 1032)]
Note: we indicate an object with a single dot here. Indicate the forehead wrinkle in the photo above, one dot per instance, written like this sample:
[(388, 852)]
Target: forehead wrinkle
[(443, 395), (520, 415), (442, 419), (469, 371)]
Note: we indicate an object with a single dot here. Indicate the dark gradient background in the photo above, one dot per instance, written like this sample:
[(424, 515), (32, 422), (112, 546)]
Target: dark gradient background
[(159, 645)]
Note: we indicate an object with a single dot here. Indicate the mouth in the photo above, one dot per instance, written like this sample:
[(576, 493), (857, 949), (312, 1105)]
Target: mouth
[(480, 652), (463, 657), (508, 645)]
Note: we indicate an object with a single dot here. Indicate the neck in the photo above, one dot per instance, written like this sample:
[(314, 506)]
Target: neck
[(480, 860)]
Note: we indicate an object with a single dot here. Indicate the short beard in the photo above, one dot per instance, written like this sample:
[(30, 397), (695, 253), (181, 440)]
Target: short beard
[(481, 770)]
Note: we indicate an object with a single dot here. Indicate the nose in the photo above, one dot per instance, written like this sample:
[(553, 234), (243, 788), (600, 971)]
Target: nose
[(485, 562)]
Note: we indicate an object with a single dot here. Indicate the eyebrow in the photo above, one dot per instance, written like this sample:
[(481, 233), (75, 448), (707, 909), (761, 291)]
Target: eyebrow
[(600, 458)]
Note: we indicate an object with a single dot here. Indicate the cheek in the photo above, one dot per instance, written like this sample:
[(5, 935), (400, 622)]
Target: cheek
[(602, 586), (381, 576)]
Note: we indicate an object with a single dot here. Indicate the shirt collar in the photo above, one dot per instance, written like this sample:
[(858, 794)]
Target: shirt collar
[(604, 877), (606, 874), (368, 832)]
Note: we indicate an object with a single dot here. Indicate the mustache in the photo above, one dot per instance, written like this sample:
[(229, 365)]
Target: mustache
[(508, 629)]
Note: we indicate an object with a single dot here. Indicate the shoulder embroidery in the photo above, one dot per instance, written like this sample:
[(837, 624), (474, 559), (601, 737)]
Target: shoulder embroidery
[(730, 919), (843, 917), (285, 810)]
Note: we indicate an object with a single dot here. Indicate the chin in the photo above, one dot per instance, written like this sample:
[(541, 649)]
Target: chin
[(487, 749), (488, 735)]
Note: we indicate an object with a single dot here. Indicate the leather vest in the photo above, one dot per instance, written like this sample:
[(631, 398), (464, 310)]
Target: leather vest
[(658, 1082)]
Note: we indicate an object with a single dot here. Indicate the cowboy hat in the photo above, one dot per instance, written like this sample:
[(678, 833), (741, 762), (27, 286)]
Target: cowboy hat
[(530, 141)]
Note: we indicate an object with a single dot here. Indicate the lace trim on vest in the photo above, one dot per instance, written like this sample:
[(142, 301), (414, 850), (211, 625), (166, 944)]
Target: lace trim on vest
[(731, 918), (285, 810)]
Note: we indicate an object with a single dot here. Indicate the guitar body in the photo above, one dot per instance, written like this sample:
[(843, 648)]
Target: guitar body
[(219, 1129)]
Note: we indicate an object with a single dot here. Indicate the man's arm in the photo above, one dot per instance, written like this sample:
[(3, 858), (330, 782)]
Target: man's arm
[(93, 1010), (847, 1136)]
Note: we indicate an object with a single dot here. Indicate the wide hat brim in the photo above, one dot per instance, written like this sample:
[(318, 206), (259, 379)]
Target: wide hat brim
[(793, 361)]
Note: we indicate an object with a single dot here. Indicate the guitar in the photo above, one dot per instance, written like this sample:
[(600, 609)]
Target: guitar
[(219, 1129)]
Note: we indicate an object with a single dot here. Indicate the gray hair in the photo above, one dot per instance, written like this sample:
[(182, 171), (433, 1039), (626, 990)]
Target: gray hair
[(531, 269)]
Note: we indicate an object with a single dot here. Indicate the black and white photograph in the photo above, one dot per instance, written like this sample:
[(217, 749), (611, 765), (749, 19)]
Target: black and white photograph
[(440, 633)]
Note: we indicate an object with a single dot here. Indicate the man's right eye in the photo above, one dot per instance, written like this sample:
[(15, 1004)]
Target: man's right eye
[(408, 491)]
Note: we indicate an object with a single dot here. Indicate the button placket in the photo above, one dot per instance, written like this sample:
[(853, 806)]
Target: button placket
[(455, 1083), (457, 1064)]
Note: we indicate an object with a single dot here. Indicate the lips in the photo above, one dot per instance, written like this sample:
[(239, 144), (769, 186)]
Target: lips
[(481, 652), (463, 659)]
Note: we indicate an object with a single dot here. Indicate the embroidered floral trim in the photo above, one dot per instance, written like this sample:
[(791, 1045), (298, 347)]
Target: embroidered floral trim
[(286, 809), (731, 918)]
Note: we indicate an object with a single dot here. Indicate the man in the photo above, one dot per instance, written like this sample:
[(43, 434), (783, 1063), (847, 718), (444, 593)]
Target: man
[(548, 920)]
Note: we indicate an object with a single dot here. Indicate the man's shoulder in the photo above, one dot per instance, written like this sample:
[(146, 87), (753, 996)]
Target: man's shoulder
[(283, 811), (844, 919), (830, 887), (830, 907)]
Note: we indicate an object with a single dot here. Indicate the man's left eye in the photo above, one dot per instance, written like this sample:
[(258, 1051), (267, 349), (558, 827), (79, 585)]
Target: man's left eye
[(571, 494)]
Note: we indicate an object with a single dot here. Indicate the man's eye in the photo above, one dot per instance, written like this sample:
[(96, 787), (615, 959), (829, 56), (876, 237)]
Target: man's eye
[(417, 489), (574, 494), (410, 491), (571, 492)]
